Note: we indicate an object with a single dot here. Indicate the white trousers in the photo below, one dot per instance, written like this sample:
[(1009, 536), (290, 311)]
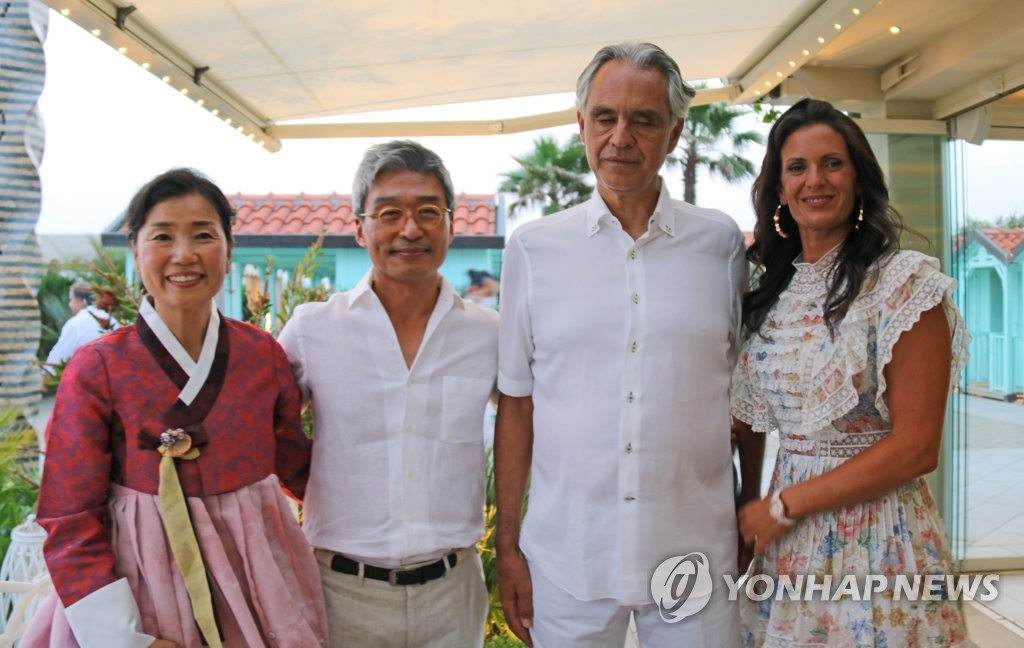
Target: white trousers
[(561, 620), (444, 613)]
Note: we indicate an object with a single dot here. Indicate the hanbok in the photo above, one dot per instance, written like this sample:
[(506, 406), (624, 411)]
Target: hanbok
[(107, 550)]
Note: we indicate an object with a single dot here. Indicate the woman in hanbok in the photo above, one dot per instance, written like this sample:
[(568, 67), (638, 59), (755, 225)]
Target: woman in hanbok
[(167, 448), (851, 346)]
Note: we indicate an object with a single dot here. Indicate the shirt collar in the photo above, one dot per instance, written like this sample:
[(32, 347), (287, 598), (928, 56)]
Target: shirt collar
[(663, 218), (445, 299)]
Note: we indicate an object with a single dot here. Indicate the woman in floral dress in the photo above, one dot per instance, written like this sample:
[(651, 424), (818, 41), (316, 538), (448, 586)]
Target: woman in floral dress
[(851, 346)]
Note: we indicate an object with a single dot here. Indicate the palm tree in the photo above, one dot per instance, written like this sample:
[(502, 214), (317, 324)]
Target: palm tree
[(701, 145), (550, 177)]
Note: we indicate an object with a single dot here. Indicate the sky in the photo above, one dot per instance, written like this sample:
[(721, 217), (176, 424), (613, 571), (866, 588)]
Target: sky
[(111, 126)]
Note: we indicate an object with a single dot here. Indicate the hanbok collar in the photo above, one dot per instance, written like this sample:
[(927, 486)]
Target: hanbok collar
[(197, 372)]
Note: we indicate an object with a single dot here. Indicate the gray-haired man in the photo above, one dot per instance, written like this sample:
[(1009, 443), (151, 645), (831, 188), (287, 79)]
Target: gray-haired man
[(619, 328), (399, 370)]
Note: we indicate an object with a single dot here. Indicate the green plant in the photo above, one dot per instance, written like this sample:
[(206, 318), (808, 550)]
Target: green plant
[(702, 145), (497, 634), (551, 176), (503, 642), (19, 473), (293, 294)]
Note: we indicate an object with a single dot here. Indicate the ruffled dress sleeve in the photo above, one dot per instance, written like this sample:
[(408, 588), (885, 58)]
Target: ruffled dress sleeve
[(909, 285), (744, 403)]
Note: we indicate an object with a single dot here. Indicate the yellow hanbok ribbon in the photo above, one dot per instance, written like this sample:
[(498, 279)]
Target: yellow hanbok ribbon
[(176, 444)]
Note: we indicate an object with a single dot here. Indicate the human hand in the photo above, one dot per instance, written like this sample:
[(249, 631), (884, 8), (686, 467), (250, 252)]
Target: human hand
[(164, 643), (757, 525), (516, 591)]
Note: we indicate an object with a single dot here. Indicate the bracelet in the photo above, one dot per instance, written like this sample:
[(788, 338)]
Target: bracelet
[(778, 510)]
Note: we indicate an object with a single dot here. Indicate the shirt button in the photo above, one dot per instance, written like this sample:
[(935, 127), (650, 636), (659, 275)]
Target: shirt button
[(630, 398), (632, 348), (629, 448), (632, 254), (636, 298), (593, 228), (668, 228), (629, 498), (271, 635)]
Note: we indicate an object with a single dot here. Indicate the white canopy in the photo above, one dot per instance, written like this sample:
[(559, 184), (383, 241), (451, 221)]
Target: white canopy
[(904, 65)]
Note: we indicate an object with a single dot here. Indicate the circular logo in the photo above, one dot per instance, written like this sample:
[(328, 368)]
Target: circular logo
[(681, 586)]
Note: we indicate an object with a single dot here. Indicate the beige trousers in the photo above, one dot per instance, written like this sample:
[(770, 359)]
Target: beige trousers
[(447, 612)]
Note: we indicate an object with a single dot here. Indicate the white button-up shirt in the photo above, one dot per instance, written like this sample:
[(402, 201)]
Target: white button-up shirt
[(80, 329), (626, 348), (398, 456)]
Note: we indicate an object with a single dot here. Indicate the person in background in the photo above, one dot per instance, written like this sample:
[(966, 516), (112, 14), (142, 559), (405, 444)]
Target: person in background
[(88, 321), (619, 330), (398, 371), (850, 348), (483, 289), (166, 450)]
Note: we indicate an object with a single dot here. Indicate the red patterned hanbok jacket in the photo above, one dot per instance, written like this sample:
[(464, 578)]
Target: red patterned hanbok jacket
[(115, 398)]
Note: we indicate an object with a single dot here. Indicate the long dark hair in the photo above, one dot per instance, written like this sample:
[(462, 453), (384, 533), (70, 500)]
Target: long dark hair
[(877, 237)]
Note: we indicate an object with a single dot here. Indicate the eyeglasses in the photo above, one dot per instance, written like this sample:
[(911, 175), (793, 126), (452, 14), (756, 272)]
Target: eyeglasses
[(427, 217)]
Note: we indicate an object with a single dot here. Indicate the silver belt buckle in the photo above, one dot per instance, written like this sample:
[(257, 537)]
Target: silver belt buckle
[(393, 577)]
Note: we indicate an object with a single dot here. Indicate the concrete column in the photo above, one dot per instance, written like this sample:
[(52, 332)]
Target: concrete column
[(23, 26)]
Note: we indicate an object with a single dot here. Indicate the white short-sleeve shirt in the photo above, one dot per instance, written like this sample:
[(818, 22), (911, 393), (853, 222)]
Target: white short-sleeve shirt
[(626, 348)]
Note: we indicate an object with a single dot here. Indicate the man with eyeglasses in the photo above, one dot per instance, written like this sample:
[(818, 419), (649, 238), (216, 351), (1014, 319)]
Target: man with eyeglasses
[(398, 371)]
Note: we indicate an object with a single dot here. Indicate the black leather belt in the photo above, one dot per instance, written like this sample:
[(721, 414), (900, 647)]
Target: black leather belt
[(413, 576)]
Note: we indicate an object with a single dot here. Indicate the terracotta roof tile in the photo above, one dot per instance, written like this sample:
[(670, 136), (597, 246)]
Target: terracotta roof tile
[(1007, 239), (307, 214)]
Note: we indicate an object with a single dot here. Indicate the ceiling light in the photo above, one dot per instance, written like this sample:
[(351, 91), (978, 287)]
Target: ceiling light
[(96, 32), (227, 120), (65, 12), (166, 79), (184, 91), (837, 26), (856, 11), (792, 64), (807, 52), (240, 129), (122, 50), (768, 84), (214, 112), (145, 66), (778, 74), (820, 39), (200, 102), (757, 92), (894, 30)]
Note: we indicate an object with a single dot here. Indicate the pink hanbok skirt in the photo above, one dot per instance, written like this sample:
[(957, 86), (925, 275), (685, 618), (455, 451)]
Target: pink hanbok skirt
[(263, 576)]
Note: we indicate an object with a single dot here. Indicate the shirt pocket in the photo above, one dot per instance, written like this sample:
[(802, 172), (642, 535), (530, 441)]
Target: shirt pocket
[(462, 409)]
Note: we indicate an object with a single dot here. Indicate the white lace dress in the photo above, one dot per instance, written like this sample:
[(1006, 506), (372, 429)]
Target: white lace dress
[(827, 399)]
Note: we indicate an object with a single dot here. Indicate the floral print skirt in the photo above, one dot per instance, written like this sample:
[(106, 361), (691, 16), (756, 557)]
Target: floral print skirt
[(899, 533)]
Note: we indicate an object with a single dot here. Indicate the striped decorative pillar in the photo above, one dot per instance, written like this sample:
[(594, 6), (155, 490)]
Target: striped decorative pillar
[(22, 71)]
